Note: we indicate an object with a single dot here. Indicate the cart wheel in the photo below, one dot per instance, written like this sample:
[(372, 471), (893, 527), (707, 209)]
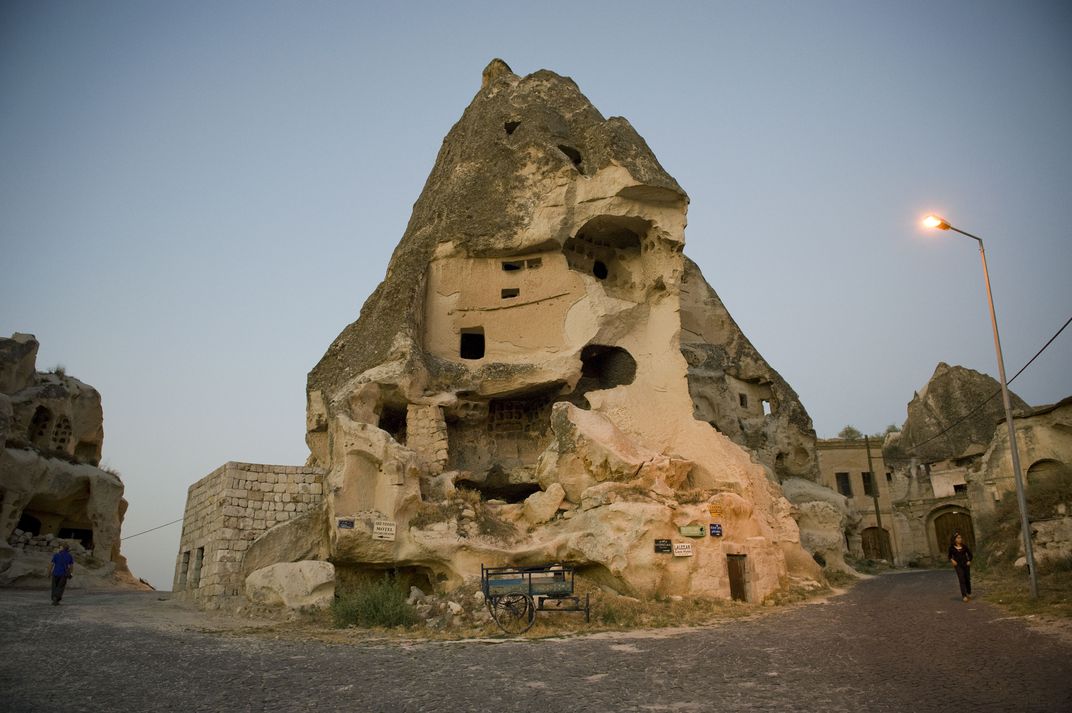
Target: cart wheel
[(514, 613)]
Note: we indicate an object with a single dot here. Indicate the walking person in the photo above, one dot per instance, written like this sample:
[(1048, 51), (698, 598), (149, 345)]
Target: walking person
[(60, 569), (961, 557)]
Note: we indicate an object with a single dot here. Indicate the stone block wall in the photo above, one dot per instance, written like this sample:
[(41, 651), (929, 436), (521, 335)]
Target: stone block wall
[(427, 435), (226, 511)]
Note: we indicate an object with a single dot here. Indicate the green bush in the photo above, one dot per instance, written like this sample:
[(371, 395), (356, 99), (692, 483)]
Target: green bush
[(378, 603)]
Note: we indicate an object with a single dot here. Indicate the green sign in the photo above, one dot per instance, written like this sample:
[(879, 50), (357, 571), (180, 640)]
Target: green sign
[(693, 530)]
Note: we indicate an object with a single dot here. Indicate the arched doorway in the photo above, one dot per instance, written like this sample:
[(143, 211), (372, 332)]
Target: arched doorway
[(876, 543), (948, 524)]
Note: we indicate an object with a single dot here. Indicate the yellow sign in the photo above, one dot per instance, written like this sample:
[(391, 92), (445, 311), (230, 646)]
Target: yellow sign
[(715, 510)]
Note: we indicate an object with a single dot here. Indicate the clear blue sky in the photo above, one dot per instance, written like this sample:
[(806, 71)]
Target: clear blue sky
[(195, 198)]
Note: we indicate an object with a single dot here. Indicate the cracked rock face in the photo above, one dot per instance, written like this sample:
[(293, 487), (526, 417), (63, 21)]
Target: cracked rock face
[(542, 376)]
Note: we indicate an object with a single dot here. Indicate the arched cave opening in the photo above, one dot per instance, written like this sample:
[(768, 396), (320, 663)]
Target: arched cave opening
[(39, 430)]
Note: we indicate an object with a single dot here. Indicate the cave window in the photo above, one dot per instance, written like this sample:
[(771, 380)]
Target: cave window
[(393, 420), (513, 265), (510, 127), (960, 488), (599, 269), (183, 568), (766, 407), (889, 477), (573, 155), (195, 573), (29, 523), (472, 343), (743, 400), (508, 293), (534, 263), (869, 485), (843, 485)]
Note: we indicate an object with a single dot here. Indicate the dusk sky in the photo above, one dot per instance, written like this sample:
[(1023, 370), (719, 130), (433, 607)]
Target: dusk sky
[(196, 198)]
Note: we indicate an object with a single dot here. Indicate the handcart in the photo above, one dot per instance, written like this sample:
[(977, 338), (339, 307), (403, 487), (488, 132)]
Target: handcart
[(515, 594)]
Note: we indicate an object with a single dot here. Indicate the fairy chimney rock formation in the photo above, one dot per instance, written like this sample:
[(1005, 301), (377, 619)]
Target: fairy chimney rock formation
[(51, 490), (543, 376), (954, 416)]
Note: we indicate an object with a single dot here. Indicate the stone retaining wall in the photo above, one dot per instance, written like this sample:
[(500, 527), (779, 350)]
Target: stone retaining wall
[(226, 511)]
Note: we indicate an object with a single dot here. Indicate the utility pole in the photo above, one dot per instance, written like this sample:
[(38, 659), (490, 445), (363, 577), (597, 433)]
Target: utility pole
[(883, 543)]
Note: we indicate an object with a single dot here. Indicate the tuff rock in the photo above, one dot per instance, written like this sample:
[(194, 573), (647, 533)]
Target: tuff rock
[(540, 340)]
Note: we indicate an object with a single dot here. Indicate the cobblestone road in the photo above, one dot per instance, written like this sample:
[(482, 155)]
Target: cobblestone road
[(901, 642)]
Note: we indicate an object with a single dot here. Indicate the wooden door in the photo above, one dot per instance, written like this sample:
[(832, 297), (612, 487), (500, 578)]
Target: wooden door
[(876, 543), (946, 524), (737, 567)]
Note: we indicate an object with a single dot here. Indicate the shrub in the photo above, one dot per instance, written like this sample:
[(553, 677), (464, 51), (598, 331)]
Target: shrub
[(377, 603)]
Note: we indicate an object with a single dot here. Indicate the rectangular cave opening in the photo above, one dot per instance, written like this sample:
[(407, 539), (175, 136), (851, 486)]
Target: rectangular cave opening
[(393, 420), (472, 343), (509, 293), (83, 535)]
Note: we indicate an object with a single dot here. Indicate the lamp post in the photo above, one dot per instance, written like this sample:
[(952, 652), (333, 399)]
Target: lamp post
[(933, 221)]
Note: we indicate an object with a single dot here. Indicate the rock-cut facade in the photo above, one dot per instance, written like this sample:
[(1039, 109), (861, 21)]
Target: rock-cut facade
[(543, 376)]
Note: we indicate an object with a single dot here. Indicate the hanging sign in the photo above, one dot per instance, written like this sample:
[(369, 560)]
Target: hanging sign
[(663, 547), (716, 529), (682, 549), (346, 523), (714, 510), (383, 530), (692, 530)]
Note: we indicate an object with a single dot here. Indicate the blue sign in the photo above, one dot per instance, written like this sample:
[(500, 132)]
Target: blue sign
[(716, 530)]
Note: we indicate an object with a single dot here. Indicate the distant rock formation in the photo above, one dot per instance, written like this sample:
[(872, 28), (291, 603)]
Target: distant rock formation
[(950, 418), (51, 490), (543, 376)]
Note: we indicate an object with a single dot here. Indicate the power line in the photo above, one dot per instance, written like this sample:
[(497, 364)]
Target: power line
[(153, 528), (971, 413)]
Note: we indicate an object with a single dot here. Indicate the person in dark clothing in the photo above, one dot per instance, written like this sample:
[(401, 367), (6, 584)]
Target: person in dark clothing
[(60, 569), (961, 557)]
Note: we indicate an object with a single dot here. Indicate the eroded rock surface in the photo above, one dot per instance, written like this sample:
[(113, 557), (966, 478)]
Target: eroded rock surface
[(51, 489), (543, 376), (945, 420)]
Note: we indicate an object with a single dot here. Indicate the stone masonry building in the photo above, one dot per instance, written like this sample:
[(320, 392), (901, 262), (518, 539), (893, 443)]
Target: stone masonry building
[(226, 511)]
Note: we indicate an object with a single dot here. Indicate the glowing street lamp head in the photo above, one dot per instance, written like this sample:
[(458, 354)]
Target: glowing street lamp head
[(933, 221)]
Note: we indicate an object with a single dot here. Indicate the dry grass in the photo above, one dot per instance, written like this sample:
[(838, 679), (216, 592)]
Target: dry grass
[(1008, 588)]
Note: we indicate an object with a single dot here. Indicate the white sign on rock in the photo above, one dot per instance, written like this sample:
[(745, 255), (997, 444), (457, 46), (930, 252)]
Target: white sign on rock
[(682, 549), (383, 530)]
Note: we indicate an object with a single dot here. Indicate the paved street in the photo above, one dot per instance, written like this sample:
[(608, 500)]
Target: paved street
[(901, 642)]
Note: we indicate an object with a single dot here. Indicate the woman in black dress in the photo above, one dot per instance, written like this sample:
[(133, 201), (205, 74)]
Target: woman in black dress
[(961, 557)]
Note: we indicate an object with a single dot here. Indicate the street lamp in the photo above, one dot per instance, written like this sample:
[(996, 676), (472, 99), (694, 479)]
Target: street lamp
[(934, 221)]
